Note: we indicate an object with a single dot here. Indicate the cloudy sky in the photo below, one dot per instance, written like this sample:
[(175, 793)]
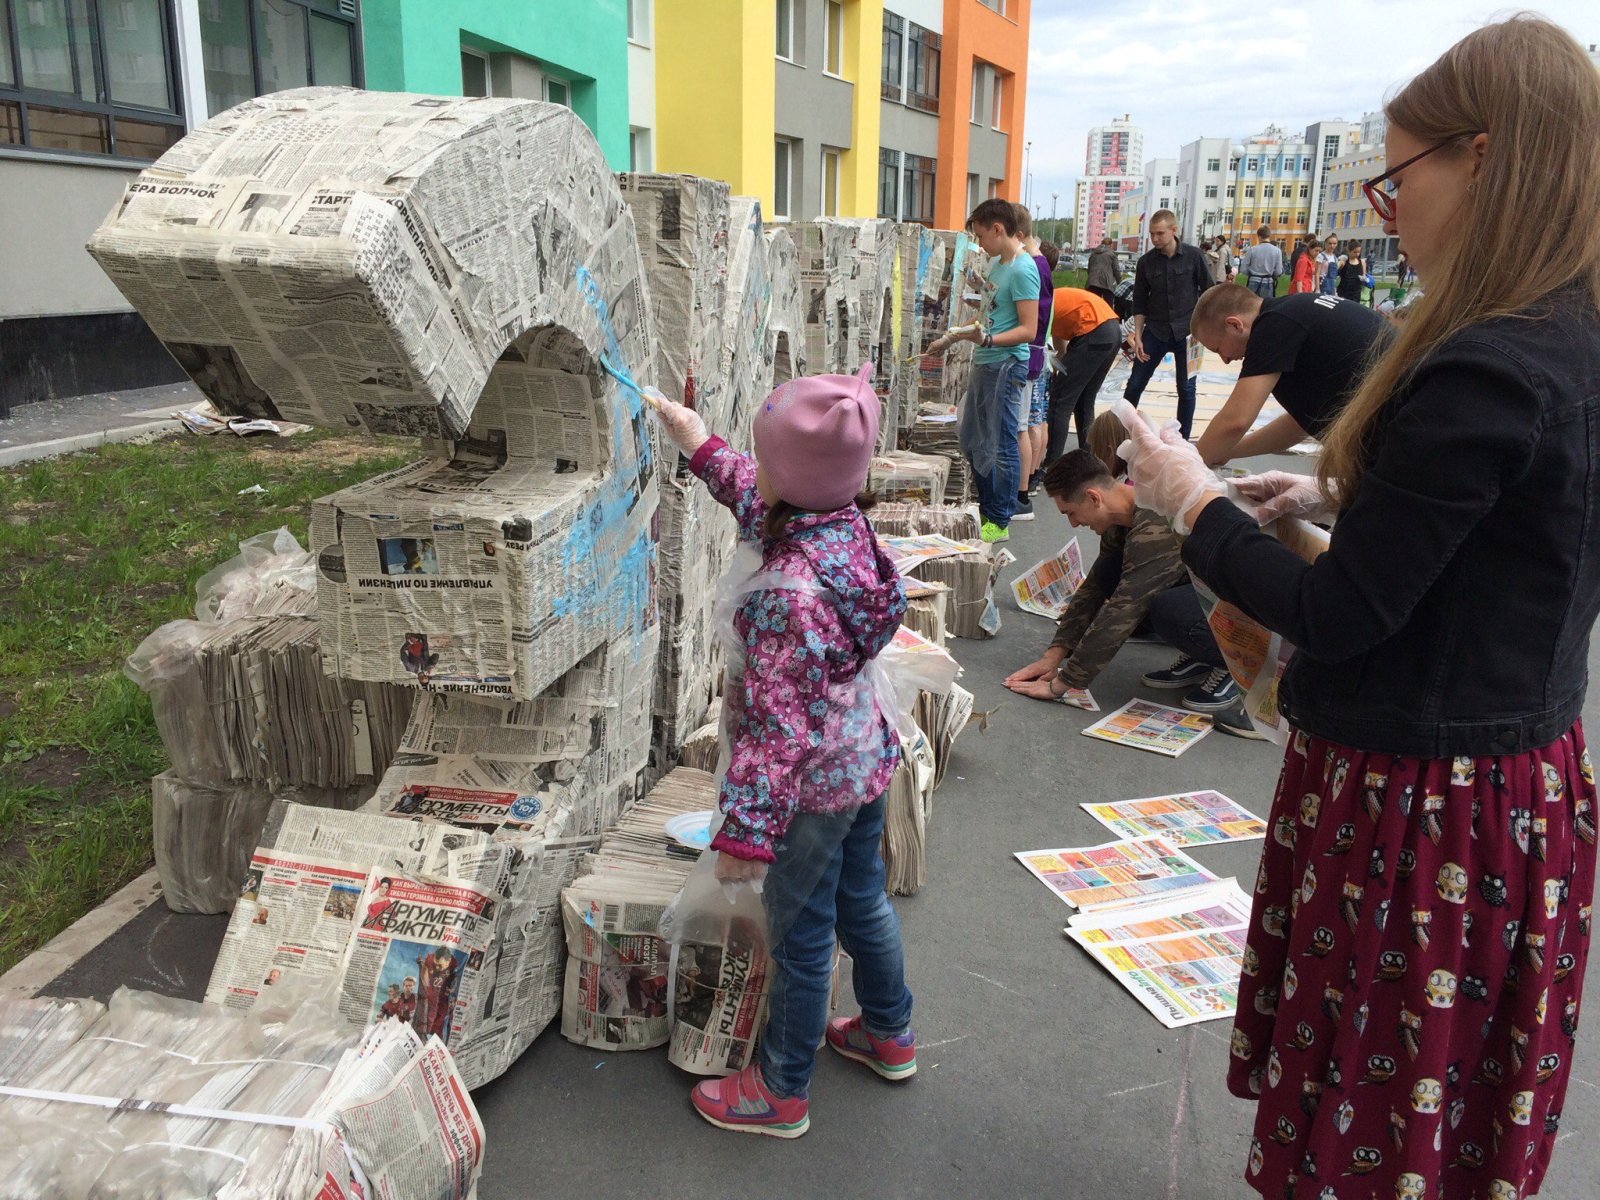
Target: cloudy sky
[(1198, 68)]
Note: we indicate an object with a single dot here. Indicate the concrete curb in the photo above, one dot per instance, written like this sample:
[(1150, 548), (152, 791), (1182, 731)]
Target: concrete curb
[(12, 455), (80, 938)]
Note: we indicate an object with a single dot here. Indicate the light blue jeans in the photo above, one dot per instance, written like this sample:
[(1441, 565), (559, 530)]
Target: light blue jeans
[(805, 909)]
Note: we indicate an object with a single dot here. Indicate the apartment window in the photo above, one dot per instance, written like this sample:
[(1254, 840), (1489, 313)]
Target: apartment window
[(922, 69), (782, 179), (1233, 164), (639, 151), (639, 21), (557, 91), (1286, 191), (829, 207), (1253, 166), (917, 193), (999, 6), (974, 184), (1330, 146), (252, 49), (894, 42), (1249, 191), (1166, 202), (1213, 164), (1211, 191), (1231, 190), (475, 79), (1305, 163), (1302, 217), (833, 38), (889, 184), (89, 78), (1283, 218), (1166, 181), (977, 93), (999, 91), (785, 36), (996, 184), (1305, 191)]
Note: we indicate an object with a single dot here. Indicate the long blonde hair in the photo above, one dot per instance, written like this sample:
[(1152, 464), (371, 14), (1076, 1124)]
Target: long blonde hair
[(1527, 84)]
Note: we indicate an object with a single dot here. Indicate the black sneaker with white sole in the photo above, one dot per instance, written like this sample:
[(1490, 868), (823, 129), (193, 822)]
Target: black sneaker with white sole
[(1232, 721), (1024, 509), (1184, 673), (1218, 692)]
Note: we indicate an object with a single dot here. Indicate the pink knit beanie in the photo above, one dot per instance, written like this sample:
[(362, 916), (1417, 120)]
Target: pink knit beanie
[(815, 436)]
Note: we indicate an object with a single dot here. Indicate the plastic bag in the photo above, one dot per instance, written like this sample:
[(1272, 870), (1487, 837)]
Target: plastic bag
[(272, 575), (719, 969)]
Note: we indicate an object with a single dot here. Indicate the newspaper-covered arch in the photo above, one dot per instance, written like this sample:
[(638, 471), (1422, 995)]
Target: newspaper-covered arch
[(783, 277), (364, 259)]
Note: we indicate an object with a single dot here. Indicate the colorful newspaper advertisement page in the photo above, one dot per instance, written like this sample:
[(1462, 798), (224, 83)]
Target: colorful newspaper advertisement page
[(909, 553), (1181, 979), (1116, 873), (1187, 819), (1152, 727), (1223, 905), (1046, 588)]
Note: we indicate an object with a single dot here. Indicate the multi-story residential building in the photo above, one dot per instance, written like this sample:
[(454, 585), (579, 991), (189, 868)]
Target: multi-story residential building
[(1348, 212), (90, 94), (1205, 168), (1111, 167), (1330, 139), (902, 108), (1272, 185), (1127, 224)]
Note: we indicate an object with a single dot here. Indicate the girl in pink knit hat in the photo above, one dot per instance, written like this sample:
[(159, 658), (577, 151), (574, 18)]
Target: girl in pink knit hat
[(810, 746)]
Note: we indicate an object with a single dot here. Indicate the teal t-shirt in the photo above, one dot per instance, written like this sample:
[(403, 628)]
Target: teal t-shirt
[(1012, 281)]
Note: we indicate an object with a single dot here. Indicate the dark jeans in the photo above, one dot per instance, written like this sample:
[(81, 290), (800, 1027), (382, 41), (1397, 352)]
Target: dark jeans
[(1073, 390), (1106, 294), (1179, 621), (1142, 371), (848, 897)]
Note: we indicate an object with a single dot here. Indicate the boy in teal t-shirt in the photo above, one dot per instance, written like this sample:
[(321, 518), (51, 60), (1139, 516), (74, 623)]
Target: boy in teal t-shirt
[(991, 412)]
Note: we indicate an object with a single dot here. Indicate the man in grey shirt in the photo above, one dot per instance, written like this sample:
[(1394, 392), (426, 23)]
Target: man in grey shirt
[(1104, 273), (1262, 265)]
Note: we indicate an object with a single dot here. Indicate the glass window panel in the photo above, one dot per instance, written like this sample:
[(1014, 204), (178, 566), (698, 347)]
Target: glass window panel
[(784, 40), (474, 74), (7, 76), (10, 123), (136, 53), (62, 129), (144, 139), (225, 48), (556, 91), (780, 181), (57, 47), (281, 45), (330, 53)]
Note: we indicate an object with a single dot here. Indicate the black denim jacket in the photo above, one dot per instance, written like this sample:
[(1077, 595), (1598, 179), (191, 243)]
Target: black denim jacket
[(1451, 614)]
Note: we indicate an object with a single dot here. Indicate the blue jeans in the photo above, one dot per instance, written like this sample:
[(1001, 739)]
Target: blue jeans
[(1265, 286), (1142, 371), (1001, 385), (847, 897)]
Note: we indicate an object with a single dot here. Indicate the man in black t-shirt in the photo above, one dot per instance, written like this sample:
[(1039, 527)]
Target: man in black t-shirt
[(1306, 350)]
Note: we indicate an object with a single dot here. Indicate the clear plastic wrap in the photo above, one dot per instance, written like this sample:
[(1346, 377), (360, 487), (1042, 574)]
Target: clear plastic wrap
[(272, 575), (204, 834)]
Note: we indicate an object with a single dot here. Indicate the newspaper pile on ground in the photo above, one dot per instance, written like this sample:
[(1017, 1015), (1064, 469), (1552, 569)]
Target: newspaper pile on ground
[(248, 715), (618, 985), (914, 519), (151, 1096), (926, 605), (970, 575)]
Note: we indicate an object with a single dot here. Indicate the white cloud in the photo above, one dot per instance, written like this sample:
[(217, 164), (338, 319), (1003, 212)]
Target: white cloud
[(1206, 69)]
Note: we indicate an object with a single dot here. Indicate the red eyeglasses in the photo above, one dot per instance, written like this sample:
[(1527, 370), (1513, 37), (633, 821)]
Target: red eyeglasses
[(1380, 190)]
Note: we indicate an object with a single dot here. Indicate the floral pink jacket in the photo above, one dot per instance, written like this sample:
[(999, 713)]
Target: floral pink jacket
[(794, 746)]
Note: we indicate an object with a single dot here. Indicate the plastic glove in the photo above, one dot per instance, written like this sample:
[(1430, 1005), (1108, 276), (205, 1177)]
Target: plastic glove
[(1168, 474), (1279, 494), (685, 427), (733, 871)]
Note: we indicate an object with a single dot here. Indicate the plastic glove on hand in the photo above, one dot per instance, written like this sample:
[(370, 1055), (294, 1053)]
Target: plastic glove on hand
[(732, 871), (1168, 474), (1279, 494), (685, 427)]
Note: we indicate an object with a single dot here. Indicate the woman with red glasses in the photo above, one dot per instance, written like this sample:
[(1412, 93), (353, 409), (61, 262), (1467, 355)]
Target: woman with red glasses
[(1409, 1005)]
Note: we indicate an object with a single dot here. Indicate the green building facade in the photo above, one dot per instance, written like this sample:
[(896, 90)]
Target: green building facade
[(557, 50)]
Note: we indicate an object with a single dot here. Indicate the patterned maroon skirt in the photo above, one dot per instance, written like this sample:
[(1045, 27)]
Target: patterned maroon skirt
[(1415, 963)]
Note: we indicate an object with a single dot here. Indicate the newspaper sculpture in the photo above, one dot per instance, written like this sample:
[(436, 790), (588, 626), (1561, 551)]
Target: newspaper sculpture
[(151, 1096), (918, 272), (899, 477), (447, 268), (786, 320)]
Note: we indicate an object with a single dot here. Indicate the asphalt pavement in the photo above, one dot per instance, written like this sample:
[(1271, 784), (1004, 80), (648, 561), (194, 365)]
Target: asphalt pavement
[(1038, 1074)]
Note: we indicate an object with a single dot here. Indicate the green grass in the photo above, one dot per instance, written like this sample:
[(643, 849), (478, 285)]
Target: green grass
[(99, 549)]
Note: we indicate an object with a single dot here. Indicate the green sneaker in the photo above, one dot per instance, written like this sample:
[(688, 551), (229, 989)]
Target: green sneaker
[(991, 533)]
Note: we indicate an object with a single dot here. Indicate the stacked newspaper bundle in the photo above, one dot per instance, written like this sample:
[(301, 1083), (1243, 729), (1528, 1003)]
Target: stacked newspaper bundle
[(749, 346), (920, 264), (786, 320), (971, 610), (926, 606), (900, 477), (934, 432), (618, 991), (248, 715), (151, 1096), (914, 519), (822, 252), (701, 748)]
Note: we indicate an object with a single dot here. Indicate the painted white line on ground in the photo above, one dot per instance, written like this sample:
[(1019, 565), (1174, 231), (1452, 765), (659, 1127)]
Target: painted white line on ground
[(945, 1042), (1143, 1087), (81, 937), (986, 979)]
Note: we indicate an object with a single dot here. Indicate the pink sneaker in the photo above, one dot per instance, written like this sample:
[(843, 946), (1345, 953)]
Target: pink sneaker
[(743, 1104), (894, 1058)]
